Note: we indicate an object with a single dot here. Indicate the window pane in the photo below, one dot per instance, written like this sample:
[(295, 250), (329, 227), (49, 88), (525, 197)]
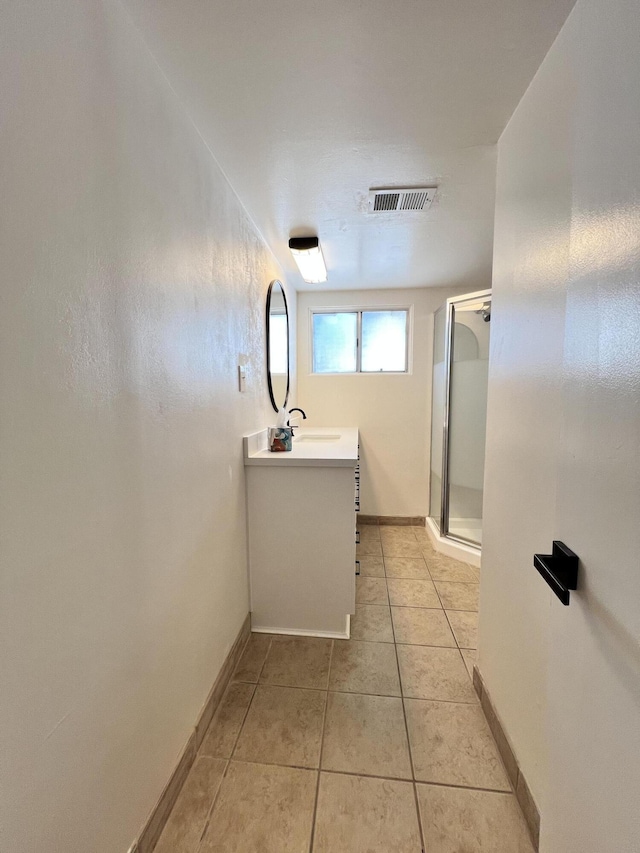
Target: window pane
[(384, 341), (278, 344), (334, 343)]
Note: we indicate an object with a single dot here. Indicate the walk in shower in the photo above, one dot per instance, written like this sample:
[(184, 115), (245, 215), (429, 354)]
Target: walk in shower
[(459, 416)]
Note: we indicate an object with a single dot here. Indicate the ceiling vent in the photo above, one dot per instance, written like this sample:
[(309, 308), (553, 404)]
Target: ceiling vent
[(399, 199)]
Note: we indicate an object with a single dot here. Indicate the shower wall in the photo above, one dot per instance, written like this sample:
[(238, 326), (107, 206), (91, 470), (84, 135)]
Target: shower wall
[(468, 416)]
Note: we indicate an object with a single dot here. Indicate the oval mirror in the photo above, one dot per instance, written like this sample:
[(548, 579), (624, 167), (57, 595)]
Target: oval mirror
[(277, 345)]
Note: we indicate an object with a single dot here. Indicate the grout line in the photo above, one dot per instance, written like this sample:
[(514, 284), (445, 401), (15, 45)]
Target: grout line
[(366, 775), (406, 730), (264, 662), (212, 806), (454, 635), (427, 645), (255, 690), (415, 788), (446, 616), (292, 686), (459, 610), (371, 776), (383, 695), (324, 724), (244, 717)]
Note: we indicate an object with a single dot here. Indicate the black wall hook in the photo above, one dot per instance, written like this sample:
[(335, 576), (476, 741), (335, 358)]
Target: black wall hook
[(559, 569)]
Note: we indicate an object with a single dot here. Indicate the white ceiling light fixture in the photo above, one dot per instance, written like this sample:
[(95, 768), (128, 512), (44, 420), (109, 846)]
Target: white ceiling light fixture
[(307, 254)]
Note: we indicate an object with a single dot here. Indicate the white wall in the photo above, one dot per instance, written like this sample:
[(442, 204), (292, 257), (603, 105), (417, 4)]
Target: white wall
[(392, 411), (132, 281), (563, 433)]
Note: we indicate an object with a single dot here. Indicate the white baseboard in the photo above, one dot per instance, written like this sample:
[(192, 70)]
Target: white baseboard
[(296, 632)]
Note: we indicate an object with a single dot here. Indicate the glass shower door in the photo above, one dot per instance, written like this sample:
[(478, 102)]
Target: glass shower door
[(437, 413), (468, 419), (459, 415)]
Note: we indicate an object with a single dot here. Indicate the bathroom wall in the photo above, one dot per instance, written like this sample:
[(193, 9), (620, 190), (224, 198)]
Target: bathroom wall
[(563, 434), (392, 411), (133, 283)]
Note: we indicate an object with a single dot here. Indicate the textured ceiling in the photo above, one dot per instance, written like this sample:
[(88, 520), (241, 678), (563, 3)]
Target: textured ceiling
[(308, 104)]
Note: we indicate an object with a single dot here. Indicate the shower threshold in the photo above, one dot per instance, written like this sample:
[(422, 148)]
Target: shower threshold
[(459, 550)]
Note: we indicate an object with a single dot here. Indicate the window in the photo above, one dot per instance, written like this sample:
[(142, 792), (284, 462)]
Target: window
[(373, 341)]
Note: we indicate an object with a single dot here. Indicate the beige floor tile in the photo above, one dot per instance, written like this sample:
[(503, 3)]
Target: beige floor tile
[(283, 726), (372, 622), (371, 591), (428, 672), (427, 553), (253, 657), (412, 593), (360, 815), (262, 810), (458, 596), (183, 830), (389, 533), (464, 624), (422, 627), (372, 567), (369, 548), (423, 538), (358, 667), (469, 656), (456, 820), (443, 568), (401, 548), (369, 531), (298, 662), (406, 567), (366, 734), (451, 744), (222, 734)]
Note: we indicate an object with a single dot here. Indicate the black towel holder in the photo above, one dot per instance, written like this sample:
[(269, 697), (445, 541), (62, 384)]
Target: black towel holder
[(559, 569)]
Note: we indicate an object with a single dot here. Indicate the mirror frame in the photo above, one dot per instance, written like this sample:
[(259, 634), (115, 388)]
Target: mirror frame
[(286, 311)]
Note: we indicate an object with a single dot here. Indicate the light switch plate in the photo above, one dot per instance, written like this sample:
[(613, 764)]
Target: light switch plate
[(242, 378)]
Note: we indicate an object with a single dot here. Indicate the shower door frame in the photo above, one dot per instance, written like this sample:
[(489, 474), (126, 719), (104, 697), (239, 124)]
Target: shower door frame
[(450, 304)]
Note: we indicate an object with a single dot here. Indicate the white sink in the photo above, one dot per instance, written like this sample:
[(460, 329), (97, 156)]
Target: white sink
[(323, 437)]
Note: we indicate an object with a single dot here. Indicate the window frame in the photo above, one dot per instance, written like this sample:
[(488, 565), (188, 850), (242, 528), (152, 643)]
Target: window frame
[(359, 311)]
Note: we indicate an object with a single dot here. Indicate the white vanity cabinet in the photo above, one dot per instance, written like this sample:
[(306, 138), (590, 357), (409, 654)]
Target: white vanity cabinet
[(301, 527)]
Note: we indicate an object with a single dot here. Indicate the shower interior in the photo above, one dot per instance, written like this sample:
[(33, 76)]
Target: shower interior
[(459, 416)]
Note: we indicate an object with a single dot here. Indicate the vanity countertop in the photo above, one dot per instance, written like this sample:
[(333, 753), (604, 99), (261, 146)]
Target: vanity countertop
[(308, 451)]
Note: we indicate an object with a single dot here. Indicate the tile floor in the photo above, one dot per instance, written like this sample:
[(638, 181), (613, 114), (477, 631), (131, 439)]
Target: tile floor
[(377, 743)]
